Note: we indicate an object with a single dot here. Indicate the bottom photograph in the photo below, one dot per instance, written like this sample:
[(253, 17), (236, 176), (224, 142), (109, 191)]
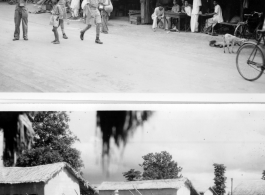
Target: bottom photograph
[(133, 150)]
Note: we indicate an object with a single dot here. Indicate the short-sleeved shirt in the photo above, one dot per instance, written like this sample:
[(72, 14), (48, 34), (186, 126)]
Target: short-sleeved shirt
[(21, 3), (175, 8), (57, 10), (157, 12), (218, 17), (188, 10)]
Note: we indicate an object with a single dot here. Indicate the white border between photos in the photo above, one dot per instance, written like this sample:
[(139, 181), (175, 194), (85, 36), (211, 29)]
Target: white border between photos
[(151, 107), (129, 98)]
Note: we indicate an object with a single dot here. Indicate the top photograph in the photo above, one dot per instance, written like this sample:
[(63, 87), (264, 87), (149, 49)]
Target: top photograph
[(132, 46)]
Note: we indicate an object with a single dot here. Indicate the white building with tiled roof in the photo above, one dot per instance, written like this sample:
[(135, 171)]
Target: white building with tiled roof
[(181, 186), (50, 179)]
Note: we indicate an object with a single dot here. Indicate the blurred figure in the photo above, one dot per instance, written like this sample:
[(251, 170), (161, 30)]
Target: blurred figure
[(158, 16), (75, 5), (63, 4), (21, 13), (105, 13), (175, 9), (217, 17), (194, 15)]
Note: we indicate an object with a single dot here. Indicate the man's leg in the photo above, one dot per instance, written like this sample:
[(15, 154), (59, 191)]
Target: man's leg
[(98, 25), (25, 23), (17, 24), (168, 23), (98, 33), (82, 32), (104, 22), (62, 28), (154, 26), (56, 35)]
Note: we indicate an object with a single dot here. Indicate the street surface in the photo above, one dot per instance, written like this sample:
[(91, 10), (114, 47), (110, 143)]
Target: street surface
[(132, 58)]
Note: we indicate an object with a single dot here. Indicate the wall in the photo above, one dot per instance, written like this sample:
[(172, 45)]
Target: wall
[(63, 183), (208, 192), (143, 192), (183, 191), (26, 188)]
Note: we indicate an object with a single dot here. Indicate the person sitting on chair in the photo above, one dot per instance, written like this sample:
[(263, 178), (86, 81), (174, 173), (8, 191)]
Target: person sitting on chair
[(175, 9), (158, 16), (187, 8), (217, 17)]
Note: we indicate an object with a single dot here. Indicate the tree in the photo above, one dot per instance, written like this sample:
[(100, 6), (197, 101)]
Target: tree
[(113, 124), (219, 179), (52, 142), (263, 175), (160, 166), (132, 175)]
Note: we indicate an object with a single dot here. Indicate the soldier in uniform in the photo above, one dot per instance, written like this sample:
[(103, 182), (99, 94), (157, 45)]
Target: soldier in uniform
[(21, 13), (93, 16)]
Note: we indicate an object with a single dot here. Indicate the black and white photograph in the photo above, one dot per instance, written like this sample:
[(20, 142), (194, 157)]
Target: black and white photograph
[(132, 150), (132, 46)]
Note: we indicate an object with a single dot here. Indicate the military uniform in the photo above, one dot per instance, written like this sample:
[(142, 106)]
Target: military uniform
[(21, 13), (92, 17)]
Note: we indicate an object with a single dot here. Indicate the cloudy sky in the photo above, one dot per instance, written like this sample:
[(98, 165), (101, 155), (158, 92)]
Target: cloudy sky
[(196, 138), (195, 135)]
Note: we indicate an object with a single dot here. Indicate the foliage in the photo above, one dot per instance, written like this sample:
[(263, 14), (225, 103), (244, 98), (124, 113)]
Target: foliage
[(52, 142), (263, 175), (220, 179), (132, 175), (160, 166)]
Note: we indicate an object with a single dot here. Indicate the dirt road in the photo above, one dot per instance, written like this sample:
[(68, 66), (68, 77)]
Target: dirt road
[(132, 59)]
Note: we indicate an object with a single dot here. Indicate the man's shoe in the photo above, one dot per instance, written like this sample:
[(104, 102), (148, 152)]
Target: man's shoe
[(15, 39), (53, 41), (64, 36), (26, 39), (82, 36), (56, 42), (98, 41)]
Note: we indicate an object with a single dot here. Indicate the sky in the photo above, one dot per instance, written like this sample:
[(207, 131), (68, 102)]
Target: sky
[(196, 140), (195, 136)]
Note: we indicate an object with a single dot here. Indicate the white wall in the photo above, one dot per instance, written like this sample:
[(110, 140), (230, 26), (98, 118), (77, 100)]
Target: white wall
[(184, 190), (63, 183), (208, 192)]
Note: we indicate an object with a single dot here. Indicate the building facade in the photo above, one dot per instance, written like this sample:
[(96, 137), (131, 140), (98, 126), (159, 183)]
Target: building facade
[(51, 179), (180, 186)]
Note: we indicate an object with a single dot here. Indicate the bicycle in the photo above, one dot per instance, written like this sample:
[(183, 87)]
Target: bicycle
[(251, 67), (244, 31)]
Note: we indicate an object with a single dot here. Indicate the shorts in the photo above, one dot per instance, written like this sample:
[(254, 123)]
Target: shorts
[(94, 18), (64, 11)]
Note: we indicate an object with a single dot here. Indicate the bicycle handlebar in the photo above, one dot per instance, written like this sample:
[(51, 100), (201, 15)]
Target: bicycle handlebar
[(251, 15)]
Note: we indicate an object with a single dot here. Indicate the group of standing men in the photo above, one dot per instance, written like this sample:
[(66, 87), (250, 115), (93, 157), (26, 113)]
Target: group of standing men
[(192, 11), (91, 13)]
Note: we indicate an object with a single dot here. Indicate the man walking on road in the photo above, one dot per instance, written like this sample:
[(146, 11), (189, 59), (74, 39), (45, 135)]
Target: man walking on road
[(93, 17), (21, 13)]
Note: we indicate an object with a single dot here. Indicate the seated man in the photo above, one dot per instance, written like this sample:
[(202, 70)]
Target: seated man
[(187, 8), (158, 15), (217, 17), (175, 9)]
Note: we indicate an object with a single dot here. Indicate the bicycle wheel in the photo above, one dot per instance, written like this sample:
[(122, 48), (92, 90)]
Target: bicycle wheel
[(239, 31), (250, 61)]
